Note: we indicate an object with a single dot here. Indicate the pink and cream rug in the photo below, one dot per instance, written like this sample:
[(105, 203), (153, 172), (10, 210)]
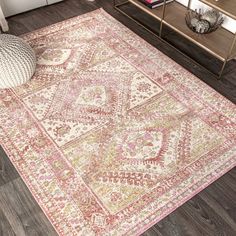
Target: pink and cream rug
[(111, 135)]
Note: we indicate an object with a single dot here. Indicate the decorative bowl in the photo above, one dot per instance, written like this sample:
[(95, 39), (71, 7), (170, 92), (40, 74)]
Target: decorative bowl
[(203, 22)]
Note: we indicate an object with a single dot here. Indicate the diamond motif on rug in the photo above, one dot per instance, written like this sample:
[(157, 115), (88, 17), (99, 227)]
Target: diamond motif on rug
[(92, 96), (142, 89), (53, 57)]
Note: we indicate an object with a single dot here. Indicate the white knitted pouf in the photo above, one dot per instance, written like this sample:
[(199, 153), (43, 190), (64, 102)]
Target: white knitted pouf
[(17, 61)]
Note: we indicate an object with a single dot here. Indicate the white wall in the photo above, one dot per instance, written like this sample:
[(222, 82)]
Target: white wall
[(229, 23)]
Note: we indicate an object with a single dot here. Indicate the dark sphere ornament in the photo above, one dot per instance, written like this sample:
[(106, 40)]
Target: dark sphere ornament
[(202, 26), (203, 23), (211, 16)]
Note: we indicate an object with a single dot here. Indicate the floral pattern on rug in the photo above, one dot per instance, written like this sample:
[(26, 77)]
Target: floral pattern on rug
[(110, 135)]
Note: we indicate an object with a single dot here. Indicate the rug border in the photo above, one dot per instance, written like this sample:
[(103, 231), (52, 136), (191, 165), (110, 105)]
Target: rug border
[(29, 187), (185, 200)]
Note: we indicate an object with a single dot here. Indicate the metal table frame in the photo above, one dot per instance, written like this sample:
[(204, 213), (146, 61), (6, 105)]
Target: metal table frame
[(118, 6)]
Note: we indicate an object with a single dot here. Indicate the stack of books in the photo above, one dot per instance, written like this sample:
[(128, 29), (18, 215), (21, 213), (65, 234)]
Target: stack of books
[(154, 3)]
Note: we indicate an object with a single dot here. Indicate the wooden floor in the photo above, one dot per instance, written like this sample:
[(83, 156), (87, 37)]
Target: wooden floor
[(211, 212)]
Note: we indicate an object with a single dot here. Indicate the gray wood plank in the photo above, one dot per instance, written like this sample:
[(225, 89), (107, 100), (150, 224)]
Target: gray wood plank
[(7, 171), (22, 212), (211, 212), (5, 227)]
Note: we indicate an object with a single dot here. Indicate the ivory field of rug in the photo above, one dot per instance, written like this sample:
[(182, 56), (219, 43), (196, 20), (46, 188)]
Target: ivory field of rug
[(110, 135)]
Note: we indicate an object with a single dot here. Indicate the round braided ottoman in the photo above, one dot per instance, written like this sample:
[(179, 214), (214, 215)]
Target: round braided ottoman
[(17, 61)]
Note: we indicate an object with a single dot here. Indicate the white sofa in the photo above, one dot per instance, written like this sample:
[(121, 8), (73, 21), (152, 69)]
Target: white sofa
[(13, 7), (3, 22)]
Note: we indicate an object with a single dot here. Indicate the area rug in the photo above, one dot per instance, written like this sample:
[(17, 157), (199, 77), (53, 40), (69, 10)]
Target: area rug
[(111, 135)]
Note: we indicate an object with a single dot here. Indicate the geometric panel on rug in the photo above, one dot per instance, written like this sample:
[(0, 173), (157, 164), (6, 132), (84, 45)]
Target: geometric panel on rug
[(63, 131), (142, 89), (40, 101), (87, 97), (94, 52)]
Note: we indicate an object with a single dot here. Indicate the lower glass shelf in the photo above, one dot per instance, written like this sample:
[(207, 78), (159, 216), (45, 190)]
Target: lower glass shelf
[(217, 43)]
